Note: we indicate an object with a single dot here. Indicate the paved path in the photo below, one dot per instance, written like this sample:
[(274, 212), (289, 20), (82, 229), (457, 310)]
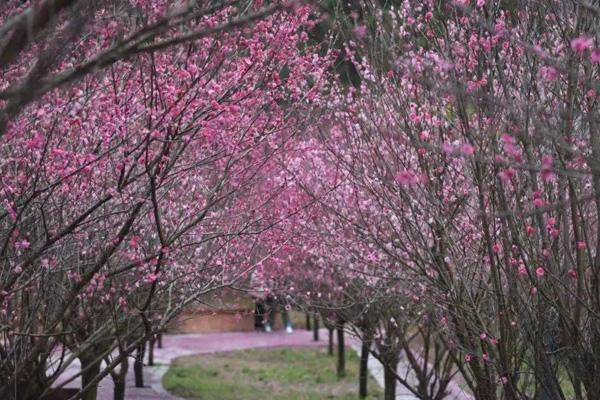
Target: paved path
[(175, 346), (402, 393)]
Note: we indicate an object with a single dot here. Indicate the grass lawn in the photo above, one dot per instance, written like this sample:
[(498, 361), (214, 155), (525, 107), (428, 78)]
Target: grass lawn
[(273, 374)]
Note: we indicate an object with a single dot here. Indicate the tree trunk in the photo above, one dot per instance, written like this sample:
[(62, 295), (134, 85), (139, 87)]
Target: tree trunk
[(90, 368), (307, 321), (151, 351), (138, 366), (119, 380), (389, 378), (341, 356), (32, 391), (330, 347), (547, 389), (364, 369), (485, 390), (119, 390), (159, 340), (316, 328)]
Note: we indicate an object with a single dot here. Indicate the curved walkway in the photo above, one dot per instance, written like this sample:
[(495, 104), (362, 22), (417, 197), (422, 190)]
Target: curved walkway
[(175, 346)]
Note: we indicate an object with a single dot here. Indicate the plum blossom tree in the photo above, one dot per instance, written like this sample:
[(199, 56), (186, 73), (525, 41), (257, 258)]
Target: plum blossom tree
[(471, 144), (126, 193), (173, 150)]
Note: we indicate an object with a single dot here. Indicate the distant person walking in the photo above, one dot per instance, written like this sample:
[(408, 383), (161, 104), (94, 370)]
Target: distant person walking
[(277, 303), (267, 303), (259, 314)]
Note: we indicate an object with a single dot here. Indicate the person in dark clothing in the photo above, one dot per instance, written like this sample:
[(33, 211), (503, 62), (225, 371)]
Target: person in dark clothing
[(277, 303), (259, 314)]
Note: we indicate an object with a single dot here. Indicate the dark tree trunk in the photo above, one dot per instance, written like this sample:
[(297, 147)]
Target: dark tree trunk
[(138, 366), (485, 390), (364, 369), (151, 351), (389, 379), (341, 354), (307, 321), (159, 340), (119, 390), (119, 380), (57, 394), (90, 368), (330, 347), (32, 391), (316, 328)]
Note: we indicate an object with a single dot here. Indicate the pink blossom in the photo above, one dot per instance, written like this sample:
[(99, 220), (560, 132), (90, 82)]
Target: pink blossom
[(23, 244), (483, 336), (360, 31), (35, 143), (406, 178), (546, 253), (496, 248), (135, 241), (74, 276), (581, 44), (581, 245), (538, 202), (506, 175), (595, 56), (547, 174), (150, 278), (572, 273), (486, 44), (414, 117), (530, 230), (510, 147), (447, 148), (533, 291), (467, 149), (507, 139), (540, 271), (473, 44), (10, 210), (546, 170), (548, 73)]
